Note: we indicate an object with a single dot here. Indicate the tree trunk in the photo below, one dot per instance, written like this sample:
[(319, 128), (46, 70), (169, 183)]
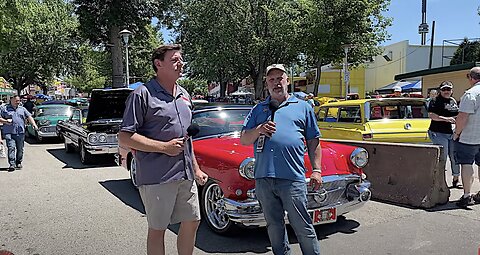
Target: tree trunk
[(118, 78), (258, 86), (318, 75)]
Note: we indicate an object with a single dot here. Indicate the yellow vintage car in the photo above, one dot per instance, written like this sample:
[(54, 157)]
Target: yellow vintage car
[(402, 120)]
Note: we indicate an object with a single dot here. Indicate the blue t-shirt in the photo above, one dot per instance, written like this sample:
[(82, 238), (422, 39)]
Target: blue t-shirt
[(18, 116), (283, 154)]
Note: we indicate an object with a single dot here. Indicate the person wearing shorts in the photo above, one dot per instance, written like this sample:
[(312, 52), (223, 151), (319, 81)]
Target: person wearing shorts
[(154, 126), (467, 137)]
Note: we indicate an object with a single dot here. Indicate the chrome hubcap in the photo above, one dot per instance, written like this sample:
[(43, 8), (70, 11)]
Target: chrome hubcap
[(133, 172), (215, 207)]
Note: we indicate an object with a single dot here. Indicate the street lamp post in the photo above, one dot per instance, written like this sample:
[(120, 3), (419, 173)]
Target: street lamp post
[(125, 34), (346, 73)]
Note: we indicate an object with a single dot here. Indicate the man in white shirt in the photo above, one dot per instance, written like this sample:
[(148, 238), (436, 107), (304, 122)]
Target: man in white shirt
[(467, 137)]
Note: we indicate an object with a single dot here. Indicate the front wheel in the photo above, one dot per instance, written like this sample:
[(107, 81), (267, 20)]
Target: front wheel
[(85, 156), (133, 172), (213, 209)]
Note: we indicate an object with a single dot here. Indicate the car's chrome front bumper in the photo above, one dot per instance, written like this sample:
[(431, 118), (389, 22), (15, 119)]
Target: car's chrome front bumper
[(102, 149), (249, 212), (47, 131)]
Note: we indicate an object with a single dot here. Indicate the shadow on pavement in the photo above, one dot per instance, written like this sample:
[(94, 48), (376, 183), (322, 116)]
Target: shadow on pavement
[(245, 240), (48, 140), (72, 160), (124, 190)]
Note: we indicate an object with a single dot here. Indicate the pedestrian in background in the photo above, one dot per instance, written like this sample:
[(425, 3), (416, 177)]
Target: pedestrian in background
[(13, 116), (442, 110), (155, 124), (278, 139), (467, 137)]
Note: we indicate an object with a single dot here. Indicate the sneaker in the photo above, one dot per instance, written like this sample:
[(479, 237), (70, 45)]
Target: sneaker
[(463, 202), (19, 166), (456, 185), (11, 168), (476, 198)]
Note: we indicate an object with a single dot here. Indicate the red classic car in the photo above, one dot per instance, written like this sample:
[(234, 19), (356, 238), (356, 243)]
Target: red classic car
[(228, 199)]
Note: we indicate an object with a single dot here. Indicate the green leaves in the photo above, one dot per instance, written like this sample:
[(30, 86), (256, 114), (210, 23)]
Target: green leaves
[(37, 40)]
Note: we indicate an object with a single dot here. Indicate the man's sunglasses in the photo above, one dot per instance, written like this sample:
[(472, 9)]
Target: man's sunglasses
[(446, 89)]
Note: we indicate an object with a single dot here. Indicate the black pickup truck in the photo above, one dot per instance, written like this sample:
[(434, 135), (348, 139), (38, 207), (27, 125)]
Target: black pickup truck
[(95, 133)]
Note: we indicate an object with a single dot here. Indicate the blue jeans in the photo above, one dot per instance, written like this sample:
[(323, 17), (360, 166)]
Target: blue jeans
[(15, 148), (446, 140), (277, 196)]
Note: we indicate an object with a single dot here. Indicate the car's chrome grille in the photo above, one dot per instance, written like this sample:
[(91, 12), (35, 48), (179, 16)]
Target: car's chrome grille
[(335, 192), (112, 138), (48, 129)]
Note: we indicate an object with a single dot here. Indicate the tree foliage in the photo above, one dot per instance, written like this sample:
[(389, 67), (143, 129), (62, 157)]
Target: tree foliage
[(229, 40), (37, 40), (329, 25), (467, 52), (194, 86), (102, 20)]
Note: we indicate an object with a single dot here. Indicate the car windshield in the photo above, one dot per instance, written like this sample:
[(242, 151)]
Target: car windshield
[(54, 111), (219, 121), (398, 110)]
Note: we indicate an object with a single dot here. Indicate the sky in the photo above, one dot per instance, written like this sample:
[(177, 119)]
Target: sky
[(454, 19)]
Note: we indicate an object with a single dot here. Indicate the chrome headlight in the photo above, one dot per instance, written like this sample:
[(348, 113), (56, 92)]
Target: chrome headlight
[(359, 157), (92, 138), (246, 168), (102, 138), (43, 122)]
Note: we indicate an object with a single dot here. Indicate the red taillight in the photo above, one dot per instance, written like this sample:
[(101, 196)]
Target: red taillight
[(367, 136)]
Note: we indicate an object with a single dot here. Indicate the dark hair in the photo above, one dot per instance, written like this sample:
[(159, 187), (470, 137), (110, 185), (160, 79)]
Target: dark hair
[(159, 53)]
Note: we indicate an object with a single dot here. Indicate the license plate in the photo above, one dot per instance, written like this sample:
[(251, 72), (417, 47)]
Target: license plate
[(324, 216)]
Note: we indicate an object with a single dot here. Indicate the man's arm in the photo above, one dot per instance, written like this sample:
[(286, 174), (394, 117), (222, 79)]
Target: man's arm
[(142, 143), (461, 122), (315, 154), (32, 121)]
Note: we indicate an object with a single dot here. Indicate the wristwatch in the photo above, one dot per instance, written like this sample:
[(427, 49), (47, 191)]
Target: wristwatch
[(317, 170)]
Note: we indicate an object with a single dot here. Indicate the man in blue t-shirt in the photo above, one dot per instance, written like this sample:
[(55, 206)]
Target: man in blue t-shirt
[(14, 116), (278, 128)]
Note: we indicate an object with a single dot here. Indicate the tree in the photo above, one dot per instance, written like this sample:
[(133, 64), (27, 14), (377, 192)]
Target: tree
[(92, 69), (37, 40), (194, 86), (328, 25), (230, 40), (102, 20), (468, 51)]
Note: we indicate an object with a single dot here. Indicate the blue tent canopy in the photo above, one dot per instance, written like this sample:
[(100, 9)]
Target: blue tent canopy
[(412, 87), (135, 85)]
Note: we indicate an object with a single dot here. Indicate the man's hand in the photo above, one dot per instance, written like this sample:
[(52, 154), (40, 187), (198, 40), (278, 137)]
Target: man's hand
[(174, 147), (9, 121), (267, 128), (316, 180), (201, 177), (450, 119)]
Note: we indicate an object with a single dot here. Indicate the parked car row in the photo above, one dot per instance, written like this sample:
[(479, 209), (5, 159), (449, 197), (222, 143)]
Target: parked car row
[(228, 199)]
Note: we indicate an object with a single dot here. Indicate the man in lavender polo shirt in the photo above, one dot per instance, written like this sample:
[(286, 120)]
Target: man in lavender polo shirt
[(155, 124)]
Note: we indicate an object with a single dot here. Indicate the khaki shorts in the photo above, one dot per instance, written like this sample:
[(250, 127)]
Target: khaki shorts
[(170, 203)]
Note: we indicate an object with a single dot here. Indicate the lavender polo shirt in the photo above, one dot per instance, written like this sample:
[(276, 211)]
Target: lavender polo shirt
[(153, 112)]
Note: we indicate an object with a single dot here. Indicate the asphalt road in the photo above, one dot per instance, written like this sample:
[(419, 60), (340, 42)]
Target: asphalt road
[(55, 205)]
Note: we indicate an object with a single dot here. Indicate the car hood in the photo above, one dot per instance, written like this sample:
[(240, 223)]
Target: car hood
[(107, 104), (335, 157), (53, 119)]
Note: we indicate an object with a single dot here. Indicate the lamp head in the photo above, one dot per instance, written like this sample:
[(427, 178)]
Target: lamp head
[(124, 34)]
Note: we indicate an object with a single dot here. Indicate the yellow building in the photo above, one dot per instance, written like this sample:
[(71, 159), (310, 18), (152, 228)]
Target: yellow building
[(332, 82)]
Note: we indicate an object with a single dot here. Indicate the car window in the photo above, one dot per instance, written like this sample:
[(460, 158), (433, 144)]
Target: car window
[(322, 113), (398, 110), (76, 115), (219, 121), (350, 114), (332, 114), (53, 111)]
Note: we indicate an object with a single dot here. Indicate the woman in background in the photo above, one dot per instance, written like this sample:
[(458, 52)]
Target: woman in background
[(443, 109)]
